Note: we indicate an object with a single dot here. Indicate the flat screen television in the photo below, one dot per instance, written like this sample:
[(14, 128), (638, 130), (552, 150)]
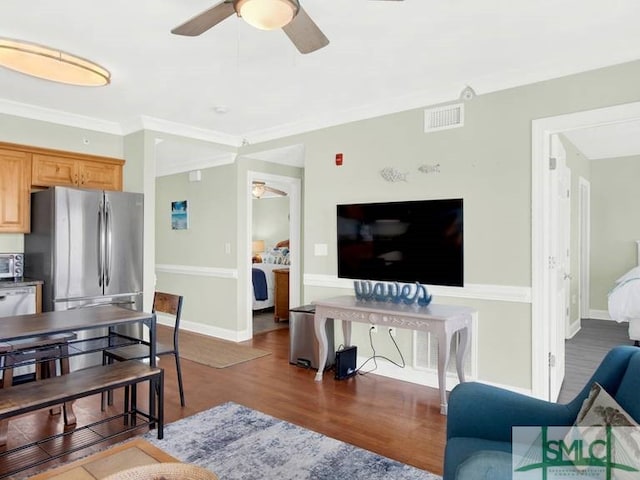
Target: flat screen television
[(411, 241)]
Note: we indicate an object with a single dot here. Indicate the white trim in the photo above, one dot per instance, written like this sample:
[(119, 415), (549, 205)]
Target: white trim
[(42, 114), (197, 271), (291, 155), (584, 244), (293, 187), (501, 293), (473, 351), (217, 332), (426, 377), (181, 165), (600, 315), (541, 131), (573, 329), (387, 107), (164, 126)]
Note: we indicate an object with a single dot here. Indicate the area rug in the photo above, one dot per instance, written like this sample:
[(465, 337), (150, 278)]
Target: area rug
[(238, 443), (209, 350)]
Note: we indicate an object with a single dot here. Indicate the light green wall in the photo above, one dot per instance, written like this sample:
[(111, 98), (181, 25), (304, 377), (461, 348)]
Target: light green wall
[(270, 220), (37, 133), (488, 163), (217, 206), (139, 176), (212, 225), (212, 218), (580, 167), (614, 226)]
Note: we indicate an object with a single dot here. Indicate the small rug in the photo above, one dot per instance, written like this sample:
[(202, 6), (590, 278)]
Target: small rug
[(238, 443), (209, 350)]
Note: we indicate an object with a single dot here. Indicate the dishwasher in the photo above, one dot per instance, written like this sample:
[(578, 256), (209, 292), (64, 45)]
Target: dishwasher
[(18, 301)]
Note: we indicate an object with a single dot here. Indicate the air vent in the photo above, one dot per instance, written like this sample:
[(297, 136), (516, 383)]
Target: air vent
[(442, 118)]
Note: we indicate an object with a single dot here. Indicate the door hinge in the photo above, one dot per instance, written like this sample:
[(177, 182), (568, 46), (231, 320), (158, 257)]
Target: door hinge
[(552, 360), (552, 262), (552, 163)]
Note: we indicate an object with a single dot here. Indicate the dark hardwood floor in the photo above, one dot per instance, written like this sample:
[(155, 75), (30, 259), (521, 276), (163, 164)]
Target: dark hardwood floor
[(396, 419)]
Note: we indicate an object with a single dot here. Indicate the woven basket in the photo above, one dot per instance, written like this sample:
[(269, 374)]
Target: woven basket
[(164, 471)]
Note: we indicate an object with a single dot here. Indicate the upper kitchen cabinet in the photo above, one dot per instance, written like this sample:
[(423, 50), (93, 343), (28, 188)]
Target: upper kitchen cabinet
[(15, 186), (75, 170)]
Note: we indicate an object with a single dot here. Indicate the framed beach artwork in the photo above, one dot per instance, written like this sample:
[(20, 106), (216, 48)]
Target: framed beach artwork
[(179, 215)]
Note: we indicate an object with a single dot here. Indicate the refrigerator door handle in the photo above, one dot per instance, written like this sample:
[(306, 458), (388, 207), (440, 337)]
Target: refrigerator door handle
[(107, 256), (102, 304), (101, 245)]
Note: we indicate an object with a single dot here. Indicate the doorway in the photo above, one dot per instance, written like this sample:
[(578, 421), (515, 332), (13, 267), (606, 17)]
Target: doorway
[(544, 319), (291, 186)]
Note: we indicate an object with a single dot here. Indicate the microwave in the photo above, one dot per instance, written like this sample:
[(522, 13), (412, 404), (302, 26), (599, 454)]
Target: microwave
[(11, 265)]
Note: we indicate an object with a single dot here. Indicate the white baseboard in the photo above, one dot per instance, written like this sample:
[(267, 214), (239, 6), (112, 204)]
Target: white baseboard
[(426, 377), (574, 328), (209, 330), (599, 315)]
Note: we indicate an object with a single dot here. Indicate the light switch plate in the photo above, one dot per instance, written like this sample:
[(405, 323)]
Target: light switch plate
[(320, 250)]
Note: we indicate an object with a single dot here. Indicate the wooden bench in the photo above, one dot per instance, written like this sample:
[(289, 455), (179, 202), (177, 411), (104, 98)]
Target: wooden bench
[(29, 397)]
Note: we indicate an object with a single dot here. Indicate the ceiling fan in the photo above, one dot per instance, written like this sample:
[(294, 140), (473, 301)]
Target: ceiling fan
[(258, 189), (263, 14)]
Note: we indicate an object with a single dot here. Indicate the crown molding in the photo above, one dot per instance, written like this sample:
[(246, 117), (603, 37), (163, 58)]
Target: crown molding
[(42, 114), (340, 117), (173, 128), (292, 155), (171, 167)]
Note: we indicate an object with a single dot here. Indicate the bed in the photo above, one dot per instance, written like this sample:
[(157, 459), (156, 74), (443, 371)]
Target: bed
[(263, 279), (624, 300)]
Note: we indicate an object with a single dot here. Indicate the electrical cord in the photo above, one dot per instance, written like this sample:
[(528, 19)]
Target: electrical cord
[(374, 357)]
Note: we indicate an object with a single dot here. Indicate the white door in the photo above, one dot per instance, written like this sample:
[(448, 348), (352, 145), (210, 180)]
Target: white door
[(559, 263)]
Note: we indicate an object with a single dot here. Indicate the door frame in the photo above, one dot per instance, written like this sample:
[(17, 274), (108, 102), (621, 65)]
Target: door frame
[(541, 131), (584, 249), (294, 190)]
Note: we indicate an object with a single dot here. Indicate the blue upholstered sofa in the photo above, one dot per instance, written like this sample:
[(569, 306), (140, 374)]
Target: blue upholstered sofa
[(481, 416)]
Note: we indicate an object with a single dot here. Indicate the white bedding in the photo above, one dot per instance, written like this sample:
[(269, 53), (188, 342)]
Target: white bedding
[(624, 301), (267, 268)]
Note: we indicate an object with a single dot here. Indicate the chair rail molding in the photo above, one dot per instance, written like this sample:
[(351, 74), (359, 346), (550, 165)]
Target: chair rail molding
[(501, 293), (198, 271)]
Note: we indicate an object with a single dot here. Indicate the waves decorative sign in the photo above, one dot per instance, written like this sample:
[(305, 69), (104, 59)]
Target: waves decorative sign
[(395, 292)]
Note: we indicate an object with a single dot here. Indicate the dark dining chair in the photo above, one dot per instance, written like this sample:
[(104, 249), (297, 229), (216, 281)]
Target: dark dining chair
[(166, 303)]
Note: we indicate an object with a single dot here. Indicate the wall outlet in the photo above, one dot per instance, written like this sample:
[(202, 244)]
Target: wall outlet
[(373, 328), (392, 331)]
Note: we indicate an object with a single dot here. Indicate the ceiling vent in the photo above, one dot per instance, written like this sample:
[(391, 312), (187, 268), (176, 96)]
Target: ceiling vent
[(443, 118)]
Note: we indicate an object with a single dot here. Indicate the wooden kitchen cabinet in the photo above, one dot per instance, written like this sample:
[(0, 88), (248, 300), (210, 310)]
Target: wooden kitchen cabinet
[(15, 186), (281, 294), (50, 170)]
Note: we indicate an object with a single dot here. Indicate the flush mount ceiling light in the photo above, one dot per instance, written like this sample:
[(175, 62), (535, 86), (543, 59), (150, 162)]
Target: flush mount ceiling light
[(267, 14), (51, 64)]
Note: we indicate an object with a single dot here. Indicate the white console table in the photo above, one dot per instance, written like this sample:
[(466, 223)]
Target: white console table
[(441, 320)]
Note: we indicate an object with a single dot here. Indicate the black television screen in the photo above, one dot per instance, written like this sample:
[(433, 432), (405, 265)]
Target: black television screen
[(413, 241)]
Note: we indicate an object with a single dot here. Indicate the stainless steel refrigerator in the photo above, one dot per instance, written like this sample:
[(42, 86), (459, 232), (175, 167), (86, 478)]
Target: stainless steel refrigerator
[(87, 247)]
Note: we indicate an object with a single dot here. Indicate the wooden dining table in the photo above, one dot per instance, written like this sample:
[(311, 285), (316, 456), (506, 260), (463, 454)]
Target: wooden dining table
[(18, 328), (21, 327)]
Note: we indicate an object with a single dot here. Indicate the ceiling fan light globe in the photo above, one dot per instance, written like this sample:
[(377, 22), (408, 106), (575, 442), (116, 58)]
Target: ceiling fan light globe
[(267, 14), (257, 190)]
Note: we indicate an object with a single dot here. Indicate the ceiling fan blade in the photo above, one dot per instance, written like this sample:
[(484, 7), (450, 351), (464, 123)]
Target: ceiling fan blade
[(304, 33), (205, 20), (276, 191)]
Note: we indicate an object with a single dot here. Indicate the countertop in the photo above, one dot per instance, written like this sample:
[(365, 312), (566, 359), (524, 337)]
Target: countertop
[(19, 282)]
